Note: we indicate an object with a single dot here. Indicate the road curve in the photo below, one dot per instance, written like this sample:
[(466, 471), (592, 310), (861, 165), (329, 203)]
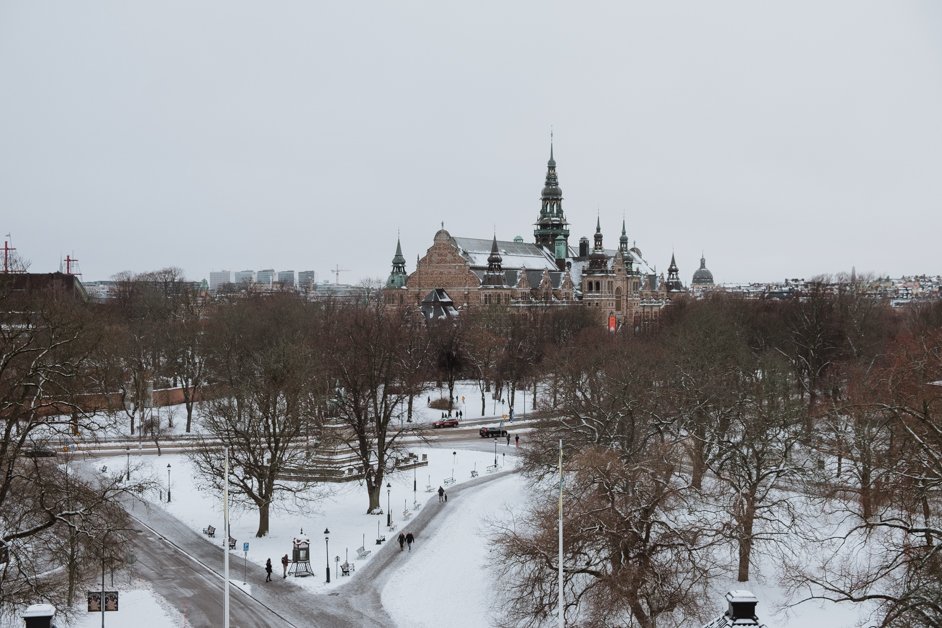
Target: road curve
[(196, 589)]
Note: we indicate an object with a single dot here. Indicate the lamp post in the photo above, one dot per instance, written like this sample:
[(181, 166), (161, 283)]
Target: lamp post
[(454, 457), (495, 452), (388, 506), (415, 497), (168, 482), (327, 546), (127, 450)]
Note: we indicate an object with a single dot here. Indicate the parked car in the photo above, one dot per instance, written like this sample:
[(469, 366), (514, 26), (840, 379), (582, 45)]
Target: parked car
[(492, 432), (446, 423), (39, 452)]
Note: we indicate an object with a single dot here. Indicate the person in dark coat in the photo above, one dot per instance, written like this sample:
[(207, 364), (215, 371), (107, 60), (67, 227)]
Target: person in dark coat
[(410, 540), (508, 439), (284, 565), (441, 494), (268, 570), (517, 440), (402, 541)]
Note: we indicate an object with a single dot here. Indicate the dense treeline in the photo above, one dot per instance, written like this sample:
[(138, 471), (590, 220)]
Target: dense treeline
[(809, 429), (694, 447)]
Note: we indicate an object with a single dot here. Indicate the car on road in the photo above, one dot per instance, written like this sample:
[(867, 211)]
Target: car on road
[(492, 432), (39, 452), (446, 423)]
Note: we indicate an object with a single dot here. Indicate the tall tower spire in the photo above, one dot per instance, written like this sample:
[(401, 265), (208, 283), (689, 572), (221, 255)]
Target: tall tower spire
[(552, 221)]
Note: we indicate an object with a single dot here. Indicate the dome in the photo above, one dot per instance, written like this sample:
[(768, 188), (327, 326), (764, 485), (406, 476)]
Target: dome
[(552, 191), (702, 276)]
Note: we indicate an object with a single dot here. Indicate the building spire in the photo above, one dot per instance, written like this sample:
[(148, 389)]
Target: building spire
[(552, 220), (397, 278)]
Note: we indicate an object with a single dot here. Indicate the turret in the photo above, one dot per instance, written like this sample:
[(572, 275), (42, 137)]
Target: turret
[(397, 278)]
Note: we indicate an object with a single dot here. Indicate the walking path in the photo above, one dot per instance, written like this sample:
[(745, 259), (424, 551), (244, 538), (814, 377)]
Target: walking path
[(357, 604)]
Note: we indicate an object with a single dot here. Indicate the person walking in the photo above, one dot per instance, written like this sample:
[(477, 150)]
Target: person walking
[(402, 541), (446, 498), (517, 440), (410, 540), (284, 566), (268, 570), (508, 439), (441, 494)]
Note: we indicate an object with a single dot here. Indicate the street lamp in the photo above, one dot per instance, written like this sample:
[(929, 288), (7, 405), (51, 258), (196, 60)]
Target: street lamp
[(327, 546), (127, 450), (415, 497), (495, 452), (168, 482), (454, 457), (388, 507)]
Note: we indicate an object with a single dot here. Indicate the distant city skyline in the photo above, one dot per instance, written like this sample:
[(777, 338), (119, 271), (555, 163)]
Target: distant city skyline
[(782, 140)]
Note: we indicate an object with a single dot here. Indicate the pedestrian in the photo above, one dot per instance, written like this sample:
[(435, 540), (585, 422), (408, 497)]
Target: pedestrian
[(508, 439), (284, 565), (410, 540), (446, 498), (517, 440), (402, 540), (268, 570), (428, 402), (441, 494)]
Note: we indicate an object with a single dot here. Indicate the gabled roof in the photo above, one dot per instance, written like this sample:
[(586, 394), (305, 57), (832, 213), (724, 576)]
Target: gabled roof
[(514, 255)]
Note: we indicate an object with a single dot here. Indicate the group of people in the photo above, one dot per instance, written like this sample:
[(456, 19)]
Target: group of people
[(458, 414), (284, 567), (404, 539), (442, 495)]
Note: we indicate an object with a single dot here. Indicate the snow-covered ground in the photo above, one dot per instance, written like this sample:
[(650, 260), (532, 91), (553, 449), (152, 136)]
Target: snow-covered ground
[(448, 573), (138, 606)]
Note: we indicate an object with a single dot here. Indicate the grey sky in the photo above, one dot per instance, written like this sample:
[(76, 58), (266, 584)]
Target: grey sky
[(786, 140)]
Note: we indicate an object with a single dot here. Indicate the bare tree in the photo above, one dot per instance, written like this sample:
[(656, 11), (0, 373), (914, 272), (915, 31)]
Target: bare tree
[(46, 343), (374, 357), (260, 349)]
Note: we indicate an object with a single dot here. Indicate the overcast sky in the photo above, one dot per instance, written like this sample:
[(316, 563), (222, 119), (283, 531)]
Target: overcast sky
[(782, 141)]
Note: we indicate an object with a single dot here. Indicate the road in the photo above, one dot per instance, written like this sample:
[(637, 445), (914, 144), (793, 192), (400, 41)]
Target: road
[(187, 571)]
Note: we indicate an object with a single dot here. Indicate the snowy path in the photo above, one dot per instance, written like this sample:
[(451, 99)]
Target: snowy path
[(358, 604)]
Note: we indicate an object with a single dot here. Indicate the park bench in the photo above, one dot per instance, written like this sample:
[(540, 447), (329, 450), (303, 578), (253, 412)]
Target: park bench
[(209, 531), (448, 481), (346, 569), (491, 468), (362, 552), (232, 543), (474, 473)]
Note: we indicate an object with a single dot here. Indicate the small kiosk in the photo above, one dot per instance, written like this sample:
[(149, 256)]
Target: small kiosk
[(300, 558)]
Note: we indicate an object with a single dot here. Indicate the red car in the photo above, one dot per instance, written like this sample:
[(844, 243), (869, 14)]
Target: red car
[(446, 423)]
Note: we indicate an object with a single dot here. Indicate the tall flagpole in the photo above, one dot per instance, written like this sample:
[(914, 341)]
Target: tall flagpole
[(225, 536), (562, 617)]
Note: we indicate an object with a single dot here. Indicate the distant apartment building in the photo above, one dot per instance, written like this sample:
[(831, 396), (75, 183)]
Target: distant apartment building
[(265, 277), (218, 278), (307, 279), (286, 278), (245, 276)]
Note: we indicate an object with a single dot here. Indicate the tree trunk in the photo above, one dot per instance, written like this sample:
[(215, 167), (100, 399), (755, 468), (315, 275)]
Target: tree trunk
[(483, 404), (263, 513), (745, 542), (374, 493)]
